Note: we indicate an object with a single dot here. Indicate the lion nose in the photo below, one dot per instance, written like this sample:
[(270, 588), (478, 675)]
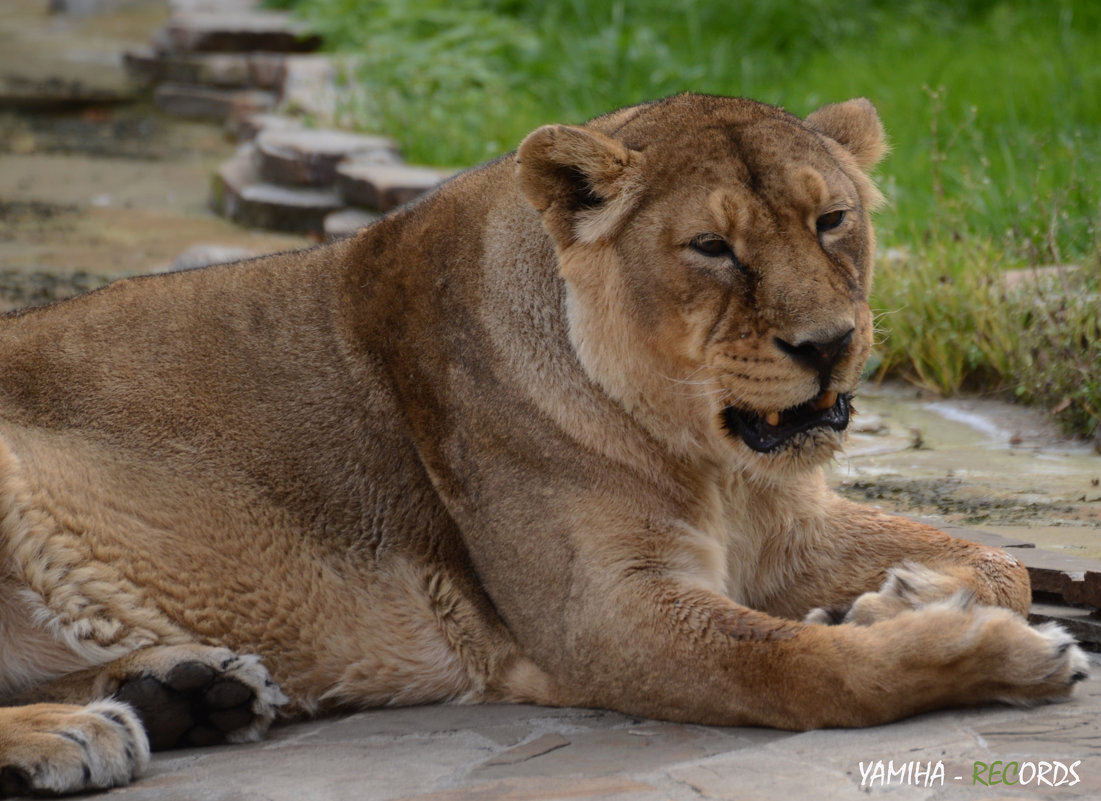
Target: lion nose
[(820, 354)]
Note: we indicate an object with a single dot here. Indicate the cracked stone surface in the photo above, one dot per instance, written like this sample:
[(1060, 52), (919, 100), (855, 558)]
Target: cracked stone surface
[(453, 753)]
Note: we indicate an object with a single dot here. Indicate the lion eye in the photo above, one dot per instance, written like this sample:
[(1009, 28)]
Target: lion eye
[(830, 220), (711, 245)]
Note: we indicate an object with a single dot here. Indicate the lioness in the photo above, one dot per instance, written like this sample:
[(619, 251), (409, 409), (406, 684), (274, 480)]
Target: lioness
[(553, 434)]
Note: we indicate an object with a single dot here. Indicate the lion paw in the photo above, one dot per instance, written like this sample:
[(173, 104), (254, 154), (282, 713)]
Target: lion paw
[(197, 695), (1042, 665), (966, 654), (67, 749), (908, 586)]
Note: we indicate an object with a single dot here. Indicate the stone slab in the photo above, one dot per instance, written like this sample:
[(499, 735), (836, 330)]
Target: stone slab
[(57, 94), (235, 32), (246, 127), (1072, 579), (1083, 624), (91, 8), (211, 103), (346, 222), (238, 70), (213, 6), (238, 193), (525, 753), (385, 186), (309, 156)]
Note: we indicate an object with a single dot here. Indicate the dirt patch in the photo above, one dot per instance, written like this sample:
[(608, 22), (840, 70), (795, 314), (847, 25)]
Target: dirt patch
[(982, 463), (19, 289), (29, 215), (954, 499)]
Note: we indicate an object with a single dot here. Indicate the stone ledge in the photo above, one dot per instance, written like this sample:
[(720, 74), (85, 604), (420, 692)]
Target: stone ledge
[(226, 70), (247, 127), (238, 194), (1065, 589), (205, 102), (310, 157), (385, 186), (210, 32), (1073, 579)]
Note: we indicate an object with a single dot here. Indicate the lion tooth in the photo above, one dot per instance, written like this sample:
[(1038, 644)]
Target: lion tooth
[(773, 418), (826, 400)]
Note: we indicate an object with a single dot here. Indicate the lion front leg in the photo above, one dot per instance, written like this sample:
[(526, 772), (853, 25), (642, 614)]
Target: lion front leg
[(674, 652), (861, 565)]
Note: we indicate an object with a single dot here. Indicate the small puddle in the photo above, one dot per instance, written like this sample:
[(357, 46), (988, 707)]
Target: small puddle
[(973, 462)]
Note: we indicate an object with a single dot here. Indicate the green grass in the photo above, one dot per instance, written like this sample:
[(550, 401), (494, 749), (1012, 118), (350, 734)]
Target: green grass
[(993, 108)]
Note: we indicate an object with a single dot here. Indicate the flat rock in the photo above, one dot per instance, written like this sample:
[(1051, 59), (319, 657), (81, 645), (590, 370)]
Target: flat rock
[(245, 128), (309, 157), (253, 70), (1060, 577), (57, 93), (240, 32), (239, 194), (91, 8), (211, 103), (344, 223), (213, 6), (385, 186)]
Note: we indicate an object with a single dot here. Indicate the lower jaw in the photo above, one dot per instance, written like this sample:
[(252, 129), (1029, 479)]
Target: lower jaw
[(760, 434)]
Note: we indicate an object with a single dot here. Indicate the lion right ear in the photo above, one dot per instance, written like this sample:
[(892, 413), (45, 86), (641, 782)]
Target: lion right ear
[(856, 126), (580, 181)]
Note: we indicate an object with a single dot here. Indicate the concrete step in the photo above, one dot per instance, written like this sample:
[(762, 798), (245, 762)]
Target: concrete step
[(247, 127), (211, 103), (309, 157), (213, 6), (226, 70), (239, 194), (54, 93), (385, 186), (240, 32)]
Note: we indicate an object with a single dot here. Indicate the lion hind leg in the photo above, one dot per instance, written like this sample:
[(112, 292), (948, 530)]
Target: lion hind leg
[(184, 695), (58, 748), (199, 695)]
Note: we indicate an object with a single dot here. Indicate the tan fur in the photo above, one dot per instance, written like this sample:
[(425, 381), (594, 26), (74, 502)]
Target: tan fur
[(480, 452)]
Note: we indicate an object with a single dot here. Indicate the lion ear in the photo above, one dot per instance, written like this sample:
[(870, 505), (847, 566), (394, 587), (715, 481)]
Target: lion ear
[(581, 181), (855, 125)]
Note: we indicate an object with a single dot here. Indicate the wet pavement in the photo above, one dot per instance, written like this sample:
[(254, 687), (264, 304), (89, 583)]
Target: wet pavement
[(980, 463)]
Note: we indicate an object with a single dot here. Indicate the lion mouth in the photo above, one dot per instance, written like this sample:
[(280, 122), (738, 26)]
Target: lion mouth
[(767, 433)]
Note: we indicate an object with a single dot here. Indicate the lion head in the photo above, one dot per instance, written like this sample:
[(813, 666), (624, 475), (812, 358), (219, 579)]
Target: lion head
[(717, 255)]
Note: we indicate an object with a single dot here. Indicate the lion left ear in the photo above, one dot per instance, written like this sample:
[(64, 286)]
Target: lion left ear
[(581, 181), (856, 126)]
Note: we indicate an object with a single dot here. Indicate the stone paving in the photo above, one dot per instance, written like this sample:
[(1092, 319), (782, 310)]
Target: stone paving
[(451, 753)]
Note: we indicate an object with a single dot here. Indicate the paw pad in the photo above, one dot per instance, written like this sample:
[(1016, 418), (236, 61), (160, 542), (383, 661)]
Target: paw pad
[(193, 705)]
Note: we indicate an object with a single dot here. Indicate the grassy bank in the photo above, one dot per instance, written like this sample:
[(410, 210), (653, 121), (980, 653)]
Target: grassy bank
[(993, 107)]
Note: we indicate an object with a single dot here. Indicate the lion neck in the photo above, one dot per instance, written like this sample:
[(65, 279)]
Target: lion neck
[(630, 362)]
